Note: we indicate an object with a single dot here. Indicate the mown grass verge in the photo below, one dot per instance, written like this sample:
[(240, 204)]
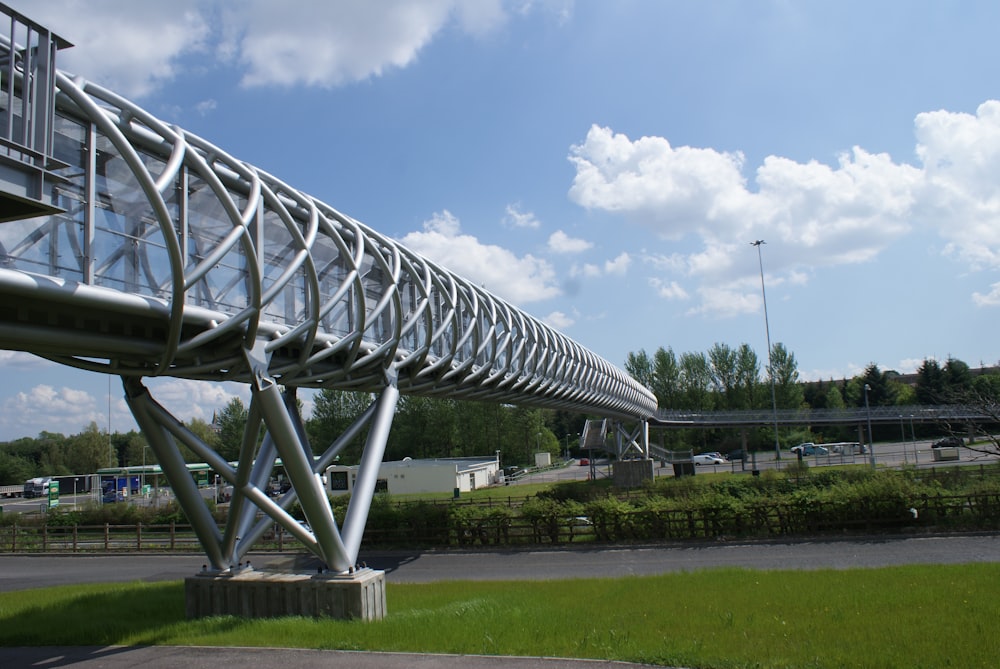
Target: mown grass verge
[(912, 616)]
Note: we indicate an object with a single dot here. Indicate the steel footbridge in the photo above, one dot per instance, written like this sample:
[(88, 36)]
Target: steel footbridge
[(131, 247)]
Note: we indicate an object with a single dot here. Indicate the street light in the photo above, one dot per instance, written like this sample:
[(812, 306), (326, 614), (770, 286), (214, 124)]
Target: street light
[(567, 442), (868, 409), (770, 366)]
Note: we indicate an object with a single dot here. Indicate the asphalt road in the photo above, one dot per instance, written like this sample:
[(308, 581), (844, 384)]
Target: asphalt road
[(21, 572)]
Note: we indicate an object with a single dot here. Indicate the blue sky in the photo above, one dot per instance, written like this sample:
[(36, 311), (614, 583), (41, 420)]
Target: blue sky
[(604, 166)]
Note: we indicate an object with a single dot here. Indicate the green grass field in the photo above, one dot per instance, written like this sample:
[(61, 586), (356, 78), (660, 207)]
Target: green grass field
[(914, 616)]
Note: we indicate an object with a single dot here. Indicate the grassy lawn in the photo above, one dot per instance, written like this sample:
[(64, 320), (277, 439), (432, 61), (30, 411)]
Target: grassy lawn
[(913, 616)]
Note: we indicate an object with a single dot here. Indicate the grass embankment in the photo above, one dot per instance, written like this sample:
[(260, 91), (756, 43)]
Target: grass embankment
[(914, 616)]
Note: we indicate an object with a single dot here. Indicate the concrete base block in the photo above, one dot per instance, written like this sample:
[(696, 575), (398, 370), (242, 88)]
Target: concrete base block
[(257, 594), (632, 473)]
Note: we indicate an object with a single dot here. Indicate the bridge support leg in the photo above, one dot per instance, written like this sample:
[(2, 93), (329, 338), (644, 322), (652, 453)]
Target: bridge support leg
[(285, 439)]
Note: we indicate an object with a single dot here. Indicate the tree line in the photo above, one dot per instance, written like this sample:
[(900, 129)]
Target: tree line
[(423, 427), (723, 378), (726, 378)]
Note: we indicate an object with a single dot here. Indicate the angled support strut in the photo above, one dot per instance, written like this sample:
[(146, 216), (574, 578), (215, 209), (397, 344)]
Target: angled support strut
[(284, 438)]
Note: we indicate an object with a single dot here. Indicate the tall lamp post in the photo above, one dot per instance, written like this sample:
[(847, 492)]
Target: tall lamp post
[(868, 410), (770, 367), (567, 443)]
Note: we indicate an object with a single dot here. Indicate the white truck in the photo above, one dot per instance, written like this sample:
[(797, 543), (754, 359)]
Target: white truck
[(37, 487), (11, 490)]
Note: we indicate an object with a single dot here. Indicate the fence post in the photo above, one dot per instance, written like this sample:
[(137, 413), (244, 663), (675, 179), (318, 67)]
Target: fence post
[(13, 539), (75, 526), (107, 537), (138, 536), (45, 538), (172, 535)]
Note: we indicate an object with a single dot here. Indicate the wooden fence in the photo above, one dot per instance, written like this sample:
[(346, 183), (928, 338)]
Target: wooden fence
[(504, 526)]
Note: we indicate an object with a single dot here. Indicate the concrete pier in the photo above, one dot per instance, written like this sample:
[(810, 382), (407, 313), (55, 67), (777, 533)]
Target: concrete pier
[(247, 593)]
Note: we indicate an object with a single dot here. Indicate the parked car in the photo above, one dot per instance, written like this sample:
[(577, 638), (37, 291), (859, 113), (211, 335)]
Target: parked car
[(809, 448), (948, 442), (707, 459), (736, 455), (584, 462)]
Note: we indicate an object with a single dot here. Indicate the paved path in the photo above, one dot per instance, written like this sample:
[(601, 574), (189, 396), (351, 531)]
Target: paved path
[(171, 657)]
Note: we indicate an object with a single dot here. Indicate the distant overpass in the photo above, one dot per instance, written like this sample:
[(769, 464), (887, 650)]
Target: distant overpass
[(943, 414), (129, 246)]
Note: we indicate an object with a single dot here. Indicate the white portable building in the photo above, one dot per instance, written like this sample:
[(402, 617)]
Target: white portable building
[(409, 476)]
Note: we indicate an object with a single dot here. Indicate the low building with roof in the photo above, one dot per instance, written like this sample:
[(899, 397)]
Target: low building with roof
[(409, 476)]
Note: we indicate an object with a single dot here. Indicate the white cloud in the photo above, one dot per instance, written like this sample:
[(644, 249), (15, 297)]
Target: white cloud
[(501, 272), (515, 218), (560, 242), (823, 215), (45, 408), (16, 360), (321, 43), (618, 265), (187, 399), (961, 160), (990, 299), (588, 270), (205, 106), (558, 320), (129, 47), (668, 290)]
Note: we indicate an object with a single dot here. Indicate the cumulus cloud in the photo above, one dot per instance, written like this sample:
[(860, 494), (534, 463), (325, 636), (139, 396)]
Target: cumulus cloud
[(560, 242), (322, 43), (824, 215), (188, 399), (46, 408), (130, 47), (961, 160), (326, 44), (668, 290), (618, 265), (16, 360), (519, 280), (515, 218), (558, 320), (989, 299)]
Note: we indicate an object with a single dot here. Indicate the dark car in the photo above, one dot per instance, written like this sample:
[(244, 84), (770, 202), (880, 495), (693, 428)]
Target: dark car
[(948, 442), (111, 496), (736, 455)]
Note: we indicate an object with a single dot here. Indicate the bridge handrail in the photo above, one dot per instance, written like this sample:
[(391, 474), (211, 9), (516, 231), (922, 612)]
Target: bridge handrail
[(224, 254), (878, 414)]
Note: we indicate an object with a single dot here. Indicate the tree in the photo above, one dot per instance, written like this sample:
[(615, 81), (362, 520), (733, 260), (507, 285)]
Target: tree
[(958, 380), (747, 377), (333, 412), (203, 431), (930, 382), (722, 359), (231, 423), (696, 382), (787, 390), (834, 398), (880, 391), (640, 367), (89, 451), (136, 452), (666, 378)]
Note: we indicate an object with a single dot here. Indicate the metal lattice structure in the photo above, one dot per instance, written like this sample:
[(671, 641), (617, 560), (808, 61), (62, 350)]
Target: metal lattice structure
[(169, 257)]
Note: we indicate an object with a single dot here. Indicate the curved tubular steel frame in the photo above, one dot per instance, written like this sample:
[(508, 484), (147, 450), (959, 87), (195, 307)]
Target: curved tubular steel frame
[(173, 258)]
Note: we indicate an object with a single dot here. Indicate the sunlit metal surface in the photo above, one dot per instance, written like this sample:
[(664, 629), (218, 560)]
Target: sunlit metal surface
[(172, 257), (168, 257)]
